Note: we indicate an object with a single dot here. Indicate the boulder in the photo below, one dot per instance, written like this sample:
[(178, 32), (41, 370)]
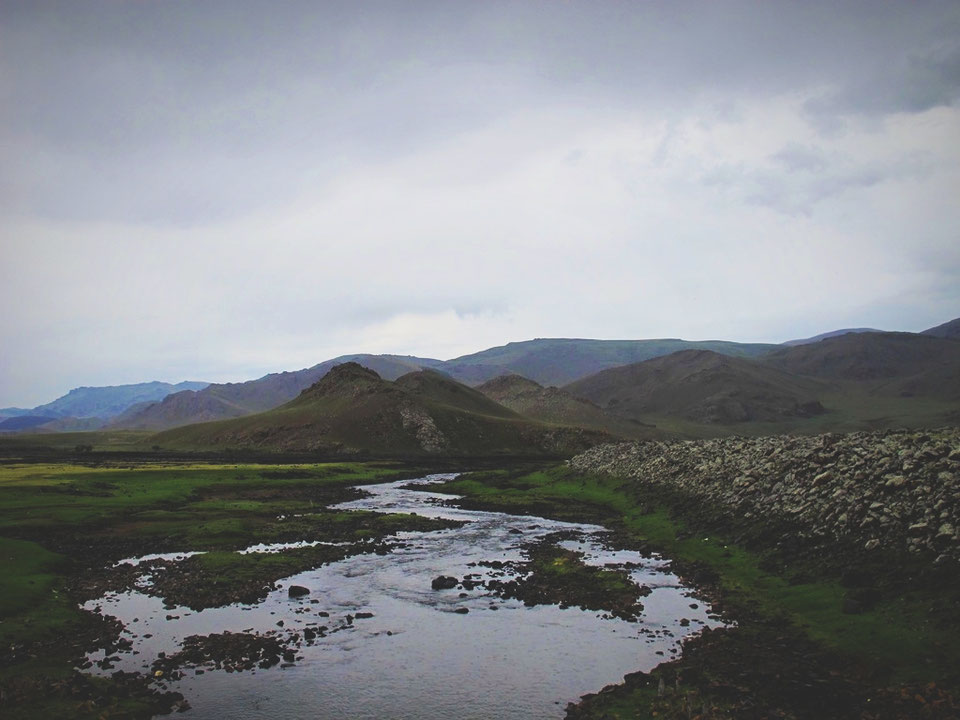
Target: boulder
[(444, 582)]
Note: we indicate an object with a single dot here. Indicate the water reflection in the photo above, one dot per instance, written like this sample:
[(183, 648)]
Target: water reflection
[(419, 655)]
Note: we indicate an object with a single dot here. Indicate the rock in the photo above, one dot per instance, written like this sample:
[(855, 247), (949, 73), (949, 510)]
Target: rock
[(823, 477), (444, 582), (297, 591), (462, 611), (849, 488)]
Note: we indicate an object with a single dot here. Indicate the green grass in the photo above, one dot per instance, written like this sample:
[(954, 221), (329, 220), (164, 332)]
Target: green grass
[(49, 511), (29, 587), (98, 439), (69, 495), (39, 503)]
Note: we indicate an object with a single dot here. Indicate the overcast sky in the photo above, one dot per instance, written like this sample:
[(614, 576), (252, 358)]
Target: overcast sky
[(216, 190)]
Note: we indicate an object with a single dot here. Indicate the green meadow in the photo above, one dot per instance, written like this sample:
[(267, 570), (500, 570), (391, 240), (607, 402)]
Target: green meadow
[(62, 522)]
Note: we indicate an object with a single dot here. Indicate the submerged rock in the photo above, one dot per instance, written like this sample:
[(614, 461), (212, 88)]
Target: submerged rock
[(444, 582)]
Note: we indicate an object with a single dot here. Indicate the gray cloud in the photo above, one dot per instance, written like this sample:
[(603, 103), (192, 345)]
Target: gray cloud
[(219, 189), (909, 83), (186, 112), (795, 179)]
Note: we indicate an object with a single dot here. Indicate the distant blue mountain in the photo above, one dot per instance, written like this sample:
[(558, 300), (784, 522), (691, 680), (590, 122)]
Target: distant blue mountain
[(103, 402), (24, 422)]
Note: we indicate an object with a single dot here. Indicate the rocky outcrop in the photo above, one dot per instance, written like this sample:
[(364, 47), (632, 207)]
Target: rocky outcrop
[(892, 489), (426, 430)]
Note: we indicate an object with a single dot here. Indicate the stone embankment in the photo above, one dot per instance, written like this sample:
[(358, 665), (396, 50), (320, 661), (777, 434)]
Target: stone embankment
[(892, 489)]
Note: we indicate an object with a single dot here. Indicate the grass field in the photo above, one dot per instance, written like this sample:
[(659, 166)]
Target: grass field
[(60, 522)]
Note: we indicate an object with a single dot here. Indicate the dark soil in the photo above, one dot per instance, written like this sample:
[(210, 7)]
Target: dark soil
[(78, 694), (556, 576), (763, 670)]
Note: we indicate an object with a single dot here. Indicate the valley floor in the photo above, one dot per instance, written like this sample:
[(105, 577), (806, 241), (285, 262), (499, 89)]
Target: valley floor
[(64, 526), (818, 629)]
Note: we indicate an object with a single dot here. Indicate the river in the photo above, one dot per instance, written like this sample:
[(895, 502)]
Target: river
[(420, 655)]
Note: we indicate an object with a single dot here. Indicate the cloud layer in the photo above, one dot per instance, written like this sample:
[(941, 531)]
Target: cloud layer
[(218, 190)]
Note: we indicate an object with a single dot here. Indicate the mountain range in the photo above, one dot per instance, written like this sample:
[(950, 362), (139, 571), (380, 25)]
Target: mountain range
[(846, 379), (88, 403), (545, 361), (351, 410)]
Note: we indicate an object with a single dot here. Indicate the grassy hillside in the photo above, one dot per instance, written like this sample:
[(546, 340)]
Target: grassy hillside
[(863, 381), (703, 387), (560, 361), (875, 359), (229, 400), (553, 405), (353, 410)]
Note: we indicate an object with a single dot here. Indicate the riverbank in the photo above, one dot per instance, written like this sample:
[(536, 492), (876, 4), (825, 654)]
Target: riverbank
[(64, 528), (826, 627)]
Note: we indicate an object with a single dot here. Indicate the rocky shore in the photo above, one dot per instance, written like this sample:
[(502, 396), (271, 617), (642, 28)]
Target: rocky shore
[(894, 490)]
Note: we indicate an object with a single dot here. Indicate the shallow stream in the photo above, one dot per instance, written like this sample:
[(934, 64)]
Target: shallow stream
[(420, 655)]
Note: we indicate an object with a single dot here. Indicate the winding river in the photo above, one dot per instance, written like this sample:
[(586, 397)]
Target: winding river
[(421, 655)]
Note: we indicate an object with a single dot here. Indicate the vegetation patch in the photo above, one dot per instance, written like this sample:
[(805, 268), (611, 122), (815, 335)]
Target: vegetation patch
[(233, 652), (556, 576)]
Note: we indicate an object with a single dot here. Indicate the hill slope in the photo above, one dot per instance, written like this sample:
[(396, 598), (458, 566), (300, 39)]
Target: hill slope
[(949, 329), (105, 402), (554, 361), (832, 333), (24, 422), (891, 364), (229, 400), (353, 410), (556, 406), (701, 386), (559, 361)]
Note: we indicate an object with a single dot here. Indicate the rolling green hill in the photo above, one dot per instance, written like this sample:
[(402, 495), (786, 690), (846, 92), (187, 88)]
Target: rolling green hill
[(229, 400), (703, 387), (891, 364), (351, 409), (556, 406), (559, 361), (862, 381)]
